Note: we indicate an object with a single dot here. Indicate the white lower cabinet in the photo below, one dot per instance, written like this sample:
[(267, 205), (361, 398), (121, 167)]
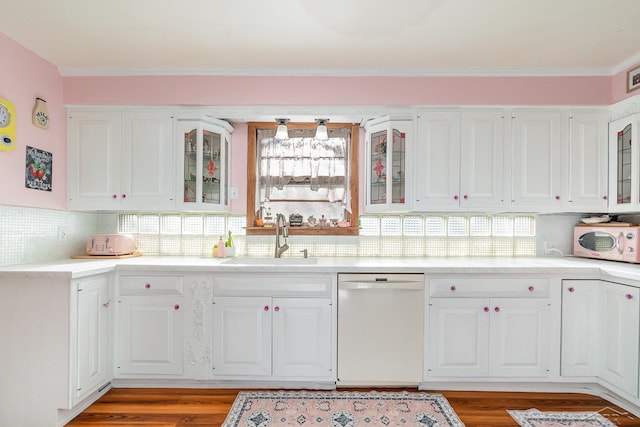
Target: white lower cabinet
[(150, 326), (619, 336), (274, 337), (601, 333), (473, 332), (92, 351), (579, 348)]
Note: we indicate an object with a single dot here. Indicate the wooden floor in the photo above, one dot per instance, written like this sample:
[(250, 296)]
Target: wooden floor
[(209, 407)]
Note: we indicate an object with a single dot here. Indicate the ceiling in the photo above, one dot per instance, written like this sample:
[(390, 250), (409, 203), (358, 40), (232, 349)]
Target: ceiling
[(328, 37)]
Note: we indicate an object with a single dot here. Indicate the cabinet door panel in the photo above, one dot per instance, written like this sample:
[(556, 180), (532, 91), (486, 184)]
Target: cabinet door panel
[(147, 153), (437, 161), (588, 161), (540, 158), (92, 336), (242, 336), (520, 335), (579, 328), (619, 335), (482, 159), (302, 337), (94, 159), (458, 337), (151, 335)]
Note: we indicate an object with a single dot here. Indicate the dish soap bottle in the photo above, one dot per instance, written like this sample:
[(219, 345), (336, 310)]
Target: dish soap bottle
[(220, 248)]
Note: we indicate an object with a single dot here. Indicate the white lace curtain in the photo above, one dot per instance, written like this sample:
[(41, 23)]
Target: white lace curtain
[(304, 162)]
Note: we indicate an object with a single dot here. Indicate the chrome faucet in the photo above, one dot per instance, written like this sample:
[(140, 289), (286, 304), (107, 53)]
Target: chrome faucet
[(285, 233)]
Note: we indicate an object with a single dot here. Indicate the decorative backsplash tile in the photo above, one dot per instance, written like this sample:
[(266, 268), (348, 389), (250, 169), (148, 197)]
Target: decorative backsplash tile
[(30, 235)]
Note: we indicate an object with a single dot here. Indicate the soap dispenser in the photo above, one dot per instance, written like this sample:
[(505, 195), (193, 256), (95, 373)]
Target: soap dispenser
[(220, 248)]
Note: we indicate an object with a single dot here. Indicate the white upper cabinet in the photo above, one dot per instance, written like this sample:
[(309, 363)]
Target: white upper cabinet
[(437, 161), (387, 151), (624, 192), (203, 164), (589, 168), (540, 161), (120, 160), (459, 160)]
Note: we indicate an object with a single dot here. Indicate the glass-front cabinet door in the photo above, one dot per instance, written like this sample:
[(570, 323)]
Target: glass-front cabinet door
[(387, 154), (624, 177), (204, 169)]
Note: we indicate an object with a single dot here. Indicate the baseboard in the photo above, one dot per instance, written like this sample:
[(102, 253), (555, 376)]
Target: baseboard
[(66, 415)]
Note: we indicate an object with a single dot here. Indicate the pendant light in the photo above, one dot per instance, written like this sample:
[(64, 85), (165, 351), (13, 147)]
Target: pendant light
[(282, 132), (321, 131)]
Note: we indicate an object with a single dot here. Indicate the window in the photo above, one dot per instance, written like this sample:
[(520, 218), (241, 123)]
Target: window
[(303, 176)]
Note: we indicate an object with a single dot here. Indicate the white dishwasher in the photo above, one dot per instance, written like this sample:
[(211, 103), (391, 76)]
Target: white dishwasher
[(380, 329)]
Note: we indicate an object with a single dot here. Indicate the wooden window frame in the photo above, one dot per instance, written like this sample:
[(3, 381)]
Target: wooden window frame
[(253, 210)]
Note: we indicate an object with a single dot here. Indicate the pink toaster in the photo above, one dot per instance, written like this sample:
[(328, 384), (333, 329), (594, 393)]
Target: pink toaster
[(111, 244)]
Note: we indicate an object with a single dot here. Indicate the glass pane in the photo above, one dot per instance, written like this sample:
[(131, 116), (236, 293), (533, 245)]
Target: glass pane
[(378, 190), (624, 166), (398, 160), (211, 146), (190, 166)]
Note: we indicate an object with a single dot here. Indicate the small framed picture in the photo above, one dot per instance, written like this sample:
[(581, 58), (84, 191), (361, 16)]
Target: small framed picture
[(633, 79)]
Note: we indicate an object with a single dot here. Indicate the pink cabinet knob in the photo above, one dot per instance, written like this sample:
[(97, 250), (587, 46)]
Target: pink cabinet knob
[(486, 309), (629, 296), (465, 197), (453, 288), (124, 196), (176, 307), (571, 289), (147, 286), (604, 197), (115, 196), (106, 304), (497, 309), (455, 197), (557, 197), (266, 308), (276, 308), (531, 289)]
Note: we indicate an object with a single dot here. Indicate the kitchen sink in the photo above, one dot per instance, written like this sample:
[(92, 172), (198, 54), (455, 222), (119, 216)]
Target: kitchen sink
[(272, 261)]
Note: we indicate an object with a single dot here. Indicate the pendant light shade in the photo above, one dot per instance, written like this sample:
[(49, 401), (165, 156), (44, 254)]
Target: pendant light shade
[(282, 132), (321, 131)]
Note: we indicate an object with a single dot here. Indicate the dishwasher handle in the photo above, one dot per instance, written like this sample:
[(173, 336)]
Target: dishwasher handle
[(399, 285)]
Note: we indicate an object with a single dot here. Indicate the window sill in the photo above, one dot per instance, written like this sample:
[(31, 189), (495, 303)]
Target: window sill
[(305, 231)]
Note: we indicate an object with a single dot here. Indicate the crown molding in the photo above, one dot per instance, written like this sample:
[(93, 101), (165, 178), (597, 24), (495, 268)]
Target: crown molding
[(359, 72)]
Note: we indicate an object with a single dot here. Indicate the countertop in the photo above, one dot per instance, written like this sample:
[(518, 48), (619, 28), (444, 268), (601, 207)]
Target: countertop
[(76, 268)]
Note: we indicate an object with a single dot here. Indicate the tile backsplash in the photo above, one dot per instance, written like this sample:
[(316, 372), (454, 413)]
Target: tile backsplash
[(31, 235)]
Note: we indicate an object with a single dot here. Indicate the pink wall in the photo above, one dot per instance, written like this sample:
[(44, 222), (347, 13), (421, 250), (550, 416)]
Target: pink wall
[(232, 91), (25, 76)]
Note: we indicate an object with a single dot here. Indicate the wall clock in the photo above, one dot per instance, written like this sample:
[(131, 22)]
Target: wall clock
[(7, 125)]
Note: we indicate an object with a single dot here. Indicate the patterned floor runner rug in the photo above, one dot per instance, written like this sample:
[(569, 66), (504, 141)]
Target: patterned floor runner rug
[(535, 418), (341, 409)]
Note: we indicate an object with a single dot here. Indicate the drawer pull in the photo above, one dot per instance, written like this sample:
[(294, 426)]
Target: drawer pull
[(266, 308), (531, 289), (497, 309), (486, 309), (147, 286), (115, 196), (276, 308), (629, 296), (453, 288), (106, 304), (176, 307), (571, 289)]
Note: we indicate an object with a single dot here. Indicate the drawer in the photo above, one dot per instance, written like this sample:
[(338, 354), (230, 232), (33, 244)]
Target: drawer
[(487, 287), (273, 285), (151, 285)]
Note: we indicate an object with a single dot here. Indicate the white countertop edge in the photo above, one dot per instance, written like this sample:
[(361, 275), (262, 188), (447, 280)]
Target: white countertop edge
[(74, 268)]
